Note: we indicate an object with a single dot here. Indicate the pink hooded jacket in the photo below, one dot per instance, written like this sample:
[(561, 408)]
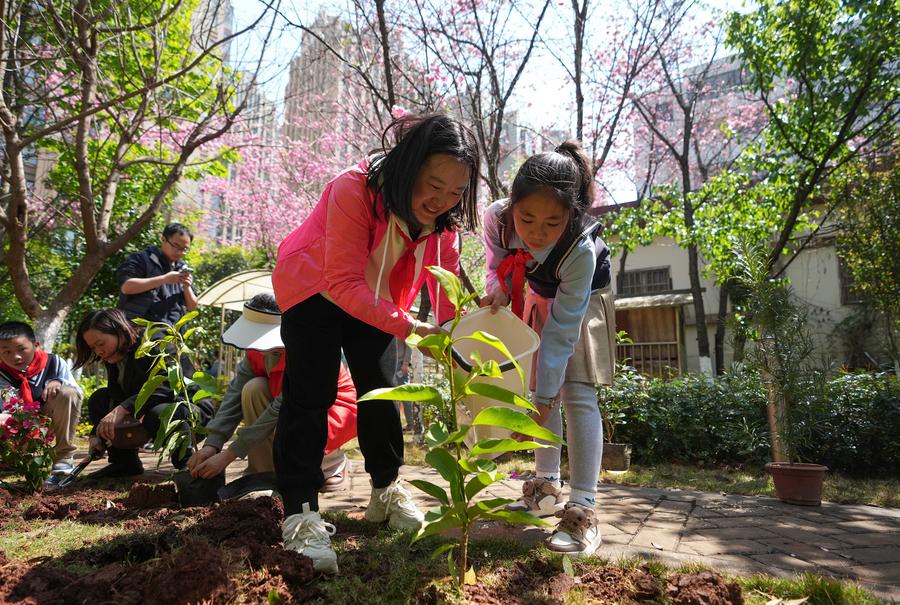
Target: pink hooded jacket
[(330, 250)]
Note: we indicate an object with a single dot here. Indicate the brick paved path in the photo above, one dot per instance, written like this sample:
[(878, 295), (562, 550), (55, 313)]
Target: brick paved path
[(738, 534)]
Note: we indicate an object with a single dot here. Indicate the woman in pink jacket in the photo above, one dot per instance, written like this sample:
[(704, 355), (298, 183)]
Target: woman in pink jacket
[(345, 280)]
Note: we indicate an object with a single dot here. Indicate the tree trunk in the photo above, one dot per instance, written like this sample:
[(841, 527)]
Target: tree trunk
[(580, 22), (721, 320), (386, 55), (776, 404), (699, 311), (620, 277)]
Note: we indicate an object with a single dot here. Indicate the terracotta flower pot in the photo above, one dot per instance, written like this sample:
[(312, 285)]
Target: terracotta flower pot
[(616, 457), (798, 483)]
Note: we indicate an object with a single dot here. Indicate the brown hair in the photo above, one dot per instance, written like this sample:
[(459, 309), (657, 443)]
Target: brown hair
[(107, 321)]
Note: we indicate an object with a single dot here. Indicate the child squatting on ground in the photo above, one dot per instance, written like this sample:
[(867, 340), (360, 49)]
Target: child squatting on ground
[(543, 235), (44, 377), (254, 398), (346, 279)]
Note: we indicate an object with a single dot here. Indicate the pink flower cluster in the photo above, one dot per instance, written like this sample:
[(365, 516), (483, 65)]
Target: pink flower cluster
[(21, 424)]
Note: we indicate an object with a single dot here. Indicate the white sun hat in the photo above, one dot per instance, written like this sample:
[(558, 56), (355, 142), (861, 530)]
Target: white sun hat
[(256, 330)]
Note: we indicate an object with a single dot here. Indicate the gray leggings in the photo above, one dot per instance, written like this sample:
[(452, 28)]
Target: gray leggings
[(584, 436)]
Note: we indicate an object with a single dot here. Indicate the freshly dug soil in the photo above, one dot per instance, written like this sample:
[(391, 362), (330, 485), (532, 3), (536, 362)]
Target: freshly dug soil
[(704, 588), (231, 553)]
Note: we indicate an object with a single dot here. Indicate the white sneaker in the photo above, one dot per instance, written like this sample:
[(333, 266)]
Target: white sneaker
[(539, 497), (309, 535), (578, 533), (394, 504)]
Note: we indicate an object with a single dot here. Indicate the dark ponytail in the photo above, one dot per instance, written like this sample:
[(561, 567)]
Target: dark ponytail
[(565, 173)]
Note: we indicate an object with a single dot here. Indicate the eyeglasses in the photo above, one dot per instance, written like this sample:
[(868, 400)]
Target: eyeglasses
[(177, 247)]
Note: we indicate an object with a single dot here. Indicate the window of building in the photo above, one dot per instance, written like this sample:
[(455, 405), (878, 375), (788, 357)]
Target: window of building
[(849, 294), (646, 281)]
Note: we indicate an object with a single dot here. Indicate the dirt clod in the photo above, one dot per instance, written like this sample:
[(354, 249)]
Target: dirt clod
[(703, 588)]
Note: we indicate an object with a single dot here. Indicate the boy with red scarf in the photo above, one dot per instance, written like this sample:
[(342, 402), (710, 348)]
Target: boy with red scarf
[(46, 378)]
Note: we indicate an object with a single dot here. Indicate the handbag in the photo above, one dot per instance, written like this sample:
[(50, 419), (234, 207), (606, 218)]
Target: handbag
[(129, 433)]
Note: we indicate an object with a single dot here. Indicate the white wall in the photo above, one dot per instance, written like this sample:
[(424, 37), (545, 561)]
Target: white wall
[(814, 277)]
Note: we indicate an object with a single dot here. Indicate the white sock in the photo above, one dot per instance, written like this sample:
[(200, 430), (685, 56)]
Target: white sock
[(553, 479), (582, 498)]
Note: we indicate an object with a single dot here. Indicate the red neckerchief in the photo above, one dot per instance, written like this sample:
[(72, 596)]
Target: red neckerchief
[(275, 375), (404, 271), (36, 366), (515, 264)]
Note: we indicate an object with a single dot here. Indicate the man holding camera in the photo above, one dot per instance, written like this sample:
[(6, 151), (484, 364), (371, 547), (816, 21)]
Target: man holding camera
[(155, 283)]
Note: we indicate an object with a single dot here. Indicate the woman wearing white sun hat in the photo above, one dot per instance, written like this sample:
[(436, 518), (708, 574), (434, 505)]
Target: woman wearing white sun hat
[(254, 396)]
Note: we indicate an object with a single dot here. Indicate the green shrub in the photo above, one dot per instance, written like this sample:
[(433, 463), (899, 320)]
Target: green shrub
[(849, 422), (858, 421)]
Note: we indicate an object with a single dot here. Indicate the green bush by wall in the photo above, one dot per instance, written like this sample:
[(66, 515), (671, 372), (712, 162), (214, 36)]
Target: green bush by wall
[(849, 422)]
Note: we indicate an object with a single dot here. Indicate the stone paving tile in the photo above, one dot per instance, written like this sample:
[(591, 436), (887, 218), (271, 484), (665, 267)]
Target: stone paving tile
[(736, 533), (873, 539), (871, 525), (887, 573), (784, 561), (627, 528), (611, 530), (742, 521), (791, 522), (674, 506), (694, 524), (874, 554), (658, 539), (798, 535), (715, 547)]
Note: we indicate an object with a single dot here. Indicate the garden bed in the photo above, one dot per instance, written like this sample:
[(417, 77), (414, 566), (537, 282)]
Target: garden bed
[(232, 553)]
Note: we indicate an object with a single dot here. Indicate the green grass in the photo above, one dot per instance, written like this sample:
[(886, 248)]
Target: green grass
[(759, 590), (51, 538)]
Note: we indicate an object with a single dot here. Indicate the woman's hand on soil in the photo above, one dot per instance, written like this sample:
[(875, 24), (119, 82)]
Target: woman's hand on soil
[(214, 465), (106, 428), (204, 453), (495, 301)]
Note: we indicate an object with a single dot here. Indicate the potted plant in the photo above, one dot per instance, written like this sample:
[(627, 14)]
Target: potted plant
[(168, 343), (614, 401), (465, 467), (776, 325)]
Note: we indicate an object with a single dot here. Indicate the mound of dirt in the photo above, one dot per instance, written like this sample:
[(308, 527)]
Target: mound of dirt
[(232, 523), (145, 495), (704, 588), (197, 572), (51, 508)]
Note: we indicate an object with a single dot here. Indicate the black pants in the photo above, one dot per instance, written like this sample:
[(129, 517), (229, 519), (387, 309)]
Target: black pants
[(99, 405), (314, 333)]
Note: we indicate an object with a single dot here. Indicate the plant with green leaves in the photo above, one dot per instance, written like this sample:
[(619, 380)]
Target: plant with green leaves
[(167, 344), (463, 466), (777, 325)]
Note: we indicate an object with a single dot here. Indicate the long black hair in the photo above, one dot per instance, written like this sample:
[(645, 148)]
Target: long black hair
[(416, 138), (565, 173)]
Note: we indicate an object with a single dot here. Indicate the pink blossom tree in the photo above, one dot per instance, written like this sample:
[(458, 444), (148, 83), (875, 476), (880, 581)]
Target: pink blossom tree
[(690, 100), (127, 101)]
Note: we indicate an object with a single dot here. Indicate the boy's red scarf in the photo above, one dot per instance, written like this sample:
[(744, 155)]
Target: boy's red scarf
[(36, 366)]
